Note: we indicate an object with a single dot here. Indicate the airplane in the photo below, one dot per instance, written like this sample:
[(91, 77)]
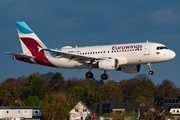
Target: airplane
[(127, 58)]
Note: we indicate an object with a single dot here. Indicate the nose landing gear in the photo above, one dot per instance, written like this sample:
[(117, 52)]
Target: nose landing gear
[(150, 71)]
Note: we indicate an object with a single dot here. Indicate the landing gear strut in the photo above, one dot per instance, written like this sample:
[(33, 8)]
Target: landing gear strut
[(150, 71), (89, 74), (104, 76)]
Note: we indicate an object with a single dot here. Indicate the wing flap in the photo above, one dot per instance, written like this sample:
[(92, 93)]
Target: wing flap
[(20, 55)]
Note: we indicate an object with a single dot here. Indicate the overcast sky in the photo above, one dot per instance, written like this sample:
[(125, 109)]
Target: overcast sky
[(86, 23)]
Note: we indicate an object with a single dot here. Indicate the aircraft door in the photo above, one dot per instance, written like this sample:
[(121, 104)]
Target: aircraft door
[(147, 49)]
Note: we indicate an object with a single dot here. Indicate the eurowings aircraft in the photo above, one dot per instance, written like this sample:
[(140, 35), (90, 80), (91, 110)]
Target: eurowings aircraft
[(122, 57)]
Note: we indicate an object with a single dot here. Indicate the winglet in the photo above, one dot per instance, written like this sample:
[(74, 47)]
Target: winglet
[(23, 28)]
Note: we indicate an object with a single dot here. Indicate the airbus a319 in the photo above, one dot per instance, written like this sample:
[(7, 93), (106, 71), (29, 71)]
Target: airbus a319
[(127, 58)]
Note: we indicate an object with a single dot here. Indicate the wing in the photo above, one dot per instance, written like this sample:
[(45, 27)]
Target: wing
[(20, 55), (73, 56)]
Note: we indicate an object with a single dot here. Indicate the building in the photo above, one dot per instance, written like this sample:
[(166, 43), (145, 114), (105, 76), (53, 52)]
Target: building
[(171, 108), (20, 112), (117, 108), (80, 112)]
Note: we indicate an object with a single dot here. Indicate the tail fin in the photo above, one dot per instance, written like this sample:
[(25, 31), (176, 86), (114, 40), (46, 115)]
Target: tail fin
[(29, 41)]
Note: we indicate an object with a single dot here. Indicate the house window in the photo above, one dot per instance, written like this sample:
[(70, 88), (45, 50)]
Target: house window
[(173, 100), (106, 105), (177, 100), (173, 111), (118, 112), (106, 111), (84, 110), (76, 110), (166, 100), (169, 100), (25, 112)]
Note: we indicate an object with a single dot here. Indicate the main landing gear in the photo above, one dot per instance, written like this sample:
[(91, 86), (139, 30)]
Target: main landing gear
[(89, 74), (104, 76), (150, 71)]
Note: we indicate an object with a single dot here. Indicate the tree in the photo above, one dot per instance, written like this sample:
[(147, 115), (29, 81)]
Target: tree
[(111, 91), (158, 102), (168, 89), (145, 87), (56, 82), (34, 85), (9, 91), (129, 116), (128, 87), (86, 93), (57, 109), (140, 99), (33, 101)]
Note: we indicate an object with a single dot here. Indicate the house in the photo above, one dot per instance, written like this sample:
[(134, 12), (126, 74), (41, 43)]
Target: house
[(80, 112), (171, 108), (20, 112), (117, 108)]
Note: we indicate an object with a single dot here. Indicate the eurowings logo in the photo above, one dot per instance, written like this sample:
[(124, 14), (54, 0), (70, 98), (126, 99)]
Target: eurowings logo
[(157, 53)]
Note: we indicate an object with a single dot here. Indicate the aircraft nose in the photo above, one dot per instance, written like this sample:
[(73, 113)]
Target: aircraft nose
[(172, 54)]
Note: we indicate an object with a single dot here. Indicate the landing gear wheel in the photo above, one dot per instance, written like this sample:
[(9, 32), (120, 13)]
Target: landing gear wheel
[(151, 72), (104, 76), (89, 75)]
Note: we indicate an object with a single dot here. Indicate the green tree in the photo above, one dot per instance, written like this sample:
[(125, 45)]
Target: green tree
[(86, 93), (9, 91), (34, 85), (129, 116), (33, 101), (158, 102), (140, 99), (111, 91), (56, 82), (57, 109), (145, 87)]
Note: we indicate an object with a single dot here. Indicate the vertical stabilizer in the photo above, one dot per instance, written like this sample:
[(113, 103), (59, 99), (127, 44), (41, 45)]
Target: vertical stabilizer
[(29, 41)]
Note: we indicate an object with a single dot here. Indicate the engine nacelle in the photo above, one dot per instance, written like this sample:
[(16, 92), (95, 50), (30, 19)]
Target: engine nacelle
[(130, 68), (108, 64)]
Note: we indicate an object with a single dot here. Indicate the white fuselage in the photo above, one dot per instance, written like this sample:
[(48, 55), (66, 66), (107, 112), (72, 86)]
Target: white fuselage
[(135, 53)]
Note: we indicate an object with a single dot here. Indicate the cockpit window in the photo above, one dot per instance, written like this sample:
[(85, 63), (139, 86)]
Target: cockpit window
[(161, 47)]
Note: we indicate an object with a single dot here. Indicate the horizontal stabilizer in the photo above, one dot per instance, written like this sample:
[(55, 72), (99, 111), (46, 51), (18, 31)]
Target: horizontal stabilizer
[(20, 55)]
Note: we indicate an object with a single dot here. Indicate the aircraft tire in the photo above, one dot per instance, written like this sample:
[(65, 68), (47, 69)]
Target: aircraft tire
[(151, 72), (89, 75), (104, 76)]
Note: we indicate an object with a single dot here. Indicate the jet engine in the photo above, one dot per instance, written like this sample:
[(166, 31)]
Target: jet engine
[(130, 68), (108, 64)]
